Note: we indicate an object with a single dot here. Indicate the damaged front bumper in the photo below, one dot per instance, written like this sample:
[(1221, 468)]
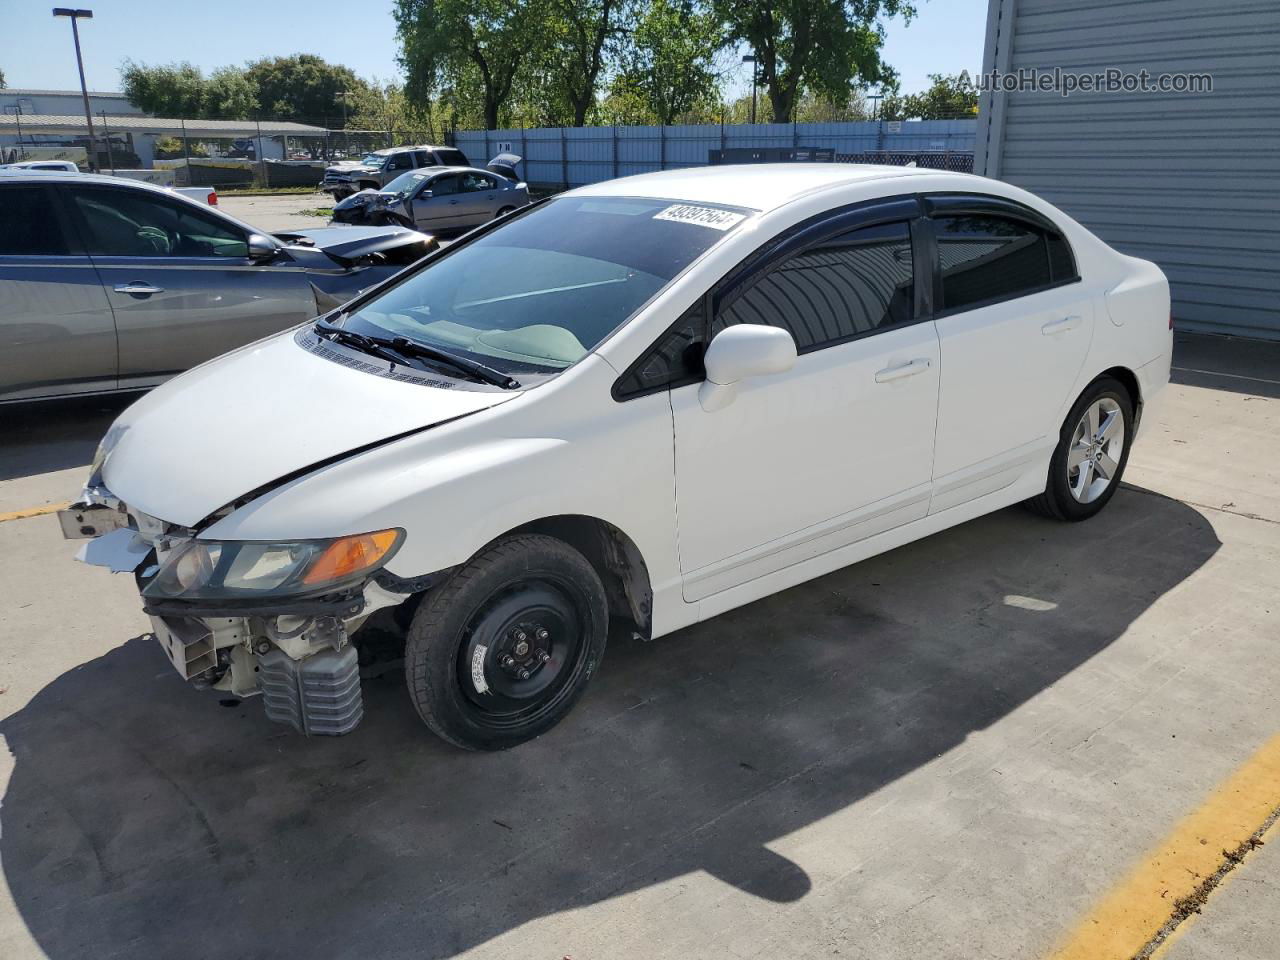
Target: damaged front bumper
[(294, 651)]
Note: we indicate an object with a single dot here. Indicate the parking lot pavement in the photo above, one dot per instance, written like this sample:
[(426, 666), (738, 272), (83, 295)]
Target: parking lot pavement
[(277, 213), (956, 749)]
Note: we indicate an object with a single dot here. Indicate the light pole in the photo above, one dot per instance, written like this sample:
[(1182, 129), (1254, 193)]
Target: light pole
[(751, 59), (76, 16)]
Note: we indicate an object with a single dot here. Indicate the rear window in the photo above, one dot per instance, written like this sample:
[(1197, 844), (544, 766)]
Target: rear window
[(30, 227), (542, 290), (451, 157)]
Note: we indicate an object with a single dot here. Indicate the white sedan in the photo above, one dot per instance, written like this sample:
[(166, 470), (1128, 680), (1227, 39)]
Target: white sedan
[(646, 401)]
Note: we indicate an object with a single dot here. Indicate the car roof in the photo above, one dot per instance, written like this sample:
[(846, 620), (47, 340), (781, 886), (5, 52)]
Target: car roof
[(55, 176), (420, 146), (759, 186)]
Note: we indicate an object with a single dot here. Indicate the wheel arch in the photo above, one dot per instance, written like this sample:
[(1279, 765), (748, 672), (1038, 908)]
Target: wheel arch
[(616, 559)]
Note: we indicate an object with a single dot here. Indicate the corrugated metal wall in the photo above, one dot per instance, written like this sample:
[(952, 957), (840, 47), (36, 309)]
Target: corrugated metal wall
[(580, 155), (1190, 181)]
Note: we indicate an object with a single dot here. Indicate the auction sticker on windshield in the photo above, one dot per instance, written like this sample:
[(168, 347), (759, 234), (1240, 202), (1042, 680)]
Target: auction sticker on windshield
[(702, 216)]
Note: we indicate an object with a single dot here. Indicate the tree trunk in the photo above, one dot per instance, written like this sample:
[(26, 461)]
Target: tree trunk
[(783, 101), (491, 105)]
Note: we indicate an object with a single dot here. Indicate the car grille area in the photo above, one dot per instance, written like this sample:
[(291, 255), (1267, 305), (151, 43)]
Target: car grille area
[(317, 696)]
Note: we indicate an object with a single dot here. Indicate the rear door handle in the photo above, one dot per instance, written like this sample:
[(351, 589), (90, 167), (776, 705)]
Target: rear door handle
[(137, 288), (889, 374), (1060, 326)]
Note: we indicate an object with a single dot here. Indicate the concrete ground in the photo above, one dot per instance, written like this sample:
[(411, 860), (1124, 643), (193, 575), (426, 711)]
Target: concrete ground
[(952, 750), (277, 213)]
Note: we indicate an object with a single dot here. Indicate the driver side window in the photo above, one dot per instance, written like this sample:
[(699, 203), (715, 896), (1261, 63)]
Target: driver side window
[(444, 186), (131, 223)]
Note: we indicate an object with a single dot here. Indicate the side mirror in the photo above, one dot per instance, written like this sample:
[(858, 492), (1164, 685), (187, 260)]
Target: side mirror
[(738, 353), (425, 195), (262, 248)]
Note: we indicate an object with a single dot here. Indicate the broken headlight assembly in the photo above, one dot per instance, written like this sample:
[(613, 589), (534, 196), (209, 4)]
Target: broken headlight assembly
[(258, 570)]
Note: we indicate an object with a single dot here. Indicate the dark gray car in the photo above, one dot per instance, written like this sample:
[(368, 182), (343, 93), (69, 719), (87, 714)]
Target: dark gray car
[(109, 285)]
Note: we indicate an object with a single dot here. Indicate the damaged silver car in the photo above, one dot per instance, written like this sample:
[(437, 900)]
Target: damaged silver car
[(113, 285)]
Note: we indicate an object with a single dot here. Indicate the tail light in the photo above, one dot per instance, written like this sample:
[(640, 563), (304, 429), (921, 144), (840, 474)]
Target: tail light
[(213, 202), (1170, 319)]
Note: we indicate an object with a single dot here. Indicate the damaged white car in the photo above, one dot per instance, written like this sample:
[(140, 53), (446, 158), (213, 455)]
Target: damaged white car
[(631, 407)]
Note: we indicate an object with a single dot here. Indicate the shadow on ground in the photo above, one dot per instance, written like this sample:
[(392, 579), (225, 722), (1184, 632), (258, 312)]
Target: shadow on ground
[(55, 434), (1232, 364), (143, 819)]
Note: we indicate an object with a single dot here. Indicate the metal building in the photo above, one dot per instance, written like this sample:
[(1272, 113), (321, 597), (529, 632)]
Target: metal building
[(1190, 180)]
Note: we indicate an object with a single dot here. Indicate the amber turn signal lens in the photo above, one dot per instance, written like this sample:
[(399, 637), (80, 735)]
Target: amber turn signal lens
[(349, 556)]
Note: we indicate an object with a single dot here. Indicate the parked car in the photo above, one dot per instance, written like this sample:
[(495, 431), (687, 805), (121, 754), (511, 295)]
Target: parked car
[(643, 402), (60, 166), (110, 284), (377, 169), (438, 199)]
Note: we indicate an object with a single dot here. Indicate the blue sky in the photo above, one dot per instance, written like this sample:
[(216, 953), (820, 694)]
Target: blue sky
[(36, 50)]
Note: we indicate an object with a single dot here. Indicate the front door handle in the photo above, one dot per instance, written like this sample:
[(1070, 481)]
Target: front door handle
[(137, 288), (903, 370), (1054, 327)]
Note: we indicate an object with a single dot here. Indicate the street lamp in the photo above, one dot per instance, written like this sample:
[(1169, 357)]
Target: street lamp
[(751, 59), (77, 15)]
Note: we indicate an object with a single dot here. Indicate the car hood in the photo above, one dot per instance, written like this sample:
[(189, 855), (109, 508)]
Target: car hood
[(260, 414), (349, 168), (349, 243)]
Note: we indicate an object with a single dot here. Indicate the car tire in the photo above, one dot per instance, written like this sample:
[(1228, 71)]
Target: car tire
[(501, 652), (1092, 452), (504, 211)]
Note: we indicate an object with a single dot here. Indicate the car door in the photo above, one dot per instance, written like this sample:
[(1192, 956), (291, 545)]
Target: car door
[(837, 449), (182, 286), (1015, 326), (442, 210), (57, 334), (479, 197)]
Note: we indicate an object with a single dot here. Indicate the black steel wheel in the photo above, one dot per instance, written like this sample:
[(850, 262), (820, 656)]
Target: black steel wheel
[(500, 653)]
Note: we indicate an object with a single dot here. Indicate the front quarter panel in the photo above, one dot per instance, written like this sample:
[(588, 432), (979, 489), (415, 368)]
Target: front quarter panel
[(563, 448)]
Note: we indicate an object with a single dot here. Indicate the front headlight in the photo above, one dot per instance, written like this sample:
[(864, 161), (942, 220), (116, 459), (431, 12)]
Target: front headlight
[(254, 569)]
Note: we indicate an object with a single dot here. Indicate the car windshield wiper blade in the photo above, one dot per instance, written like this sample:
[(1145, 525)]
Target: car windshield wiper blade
[(474, 368), (374, 346), (398, 349)]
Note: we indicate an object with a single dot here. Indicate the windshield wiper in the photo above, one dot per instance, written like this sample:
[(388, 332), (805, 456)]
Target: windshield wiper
[(374, 346), (398, 349), (473, 368)]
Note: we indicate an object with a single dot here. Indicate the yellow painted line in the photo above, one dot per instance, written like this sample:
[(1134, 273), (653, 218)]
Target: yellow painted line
[(33, 512), (1139, 906)]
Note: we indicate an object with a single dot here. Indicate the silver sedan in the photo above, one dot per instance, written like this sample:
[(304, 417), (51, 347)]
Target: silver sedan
[(437, 199), (111, 285)]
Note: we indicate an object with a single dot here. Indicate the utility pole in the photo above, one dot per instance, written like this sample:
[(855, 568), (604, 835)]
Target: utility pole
[(751, 59), (76, 16)]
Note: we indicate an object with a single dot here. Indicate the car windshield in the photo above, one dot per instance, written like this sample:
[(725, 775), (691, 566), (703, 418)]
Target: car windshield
[(406, 183), (538, 293), (374, 160)]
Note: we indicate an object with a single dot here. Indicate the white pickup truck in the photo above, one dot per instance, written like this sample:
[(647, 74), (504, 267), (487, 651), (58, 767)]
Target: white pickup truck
[(202, 194)]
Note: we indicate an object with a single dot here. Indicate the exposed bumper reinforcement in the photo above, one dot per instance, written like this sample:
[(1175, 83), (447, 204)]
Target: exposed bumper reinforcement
[(318, 696)]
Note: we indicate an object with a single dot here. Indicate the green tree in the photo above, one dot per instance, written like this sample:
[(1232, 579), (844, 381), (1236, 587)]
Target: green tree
[(668, 68), (949, 97), (829, 47), (164, 90), (582, 36), (229, 95), (304, 87), (3, 83), (442, 40), (182, 90)]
